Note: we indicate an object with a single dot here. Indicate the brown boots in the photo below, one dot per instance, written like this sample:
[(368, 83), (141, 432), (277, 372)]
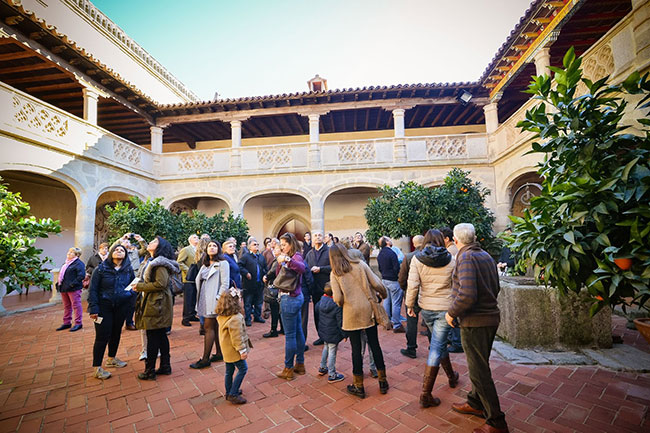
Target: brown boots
[(299, 369), (357, 387), (452, 375), (430, 373), (287, 373), (383, 383), (426, 399)]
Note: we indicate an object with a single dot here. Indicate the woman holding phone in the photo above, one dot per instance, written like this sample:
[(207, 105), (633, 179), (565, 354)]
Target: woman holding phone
[(109, 300)]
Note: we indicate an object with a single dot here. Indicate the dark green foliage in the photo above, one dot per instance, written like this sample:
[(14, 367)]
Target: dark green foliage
[(20, 261), (149, 218), (410, 209), (594, 206)]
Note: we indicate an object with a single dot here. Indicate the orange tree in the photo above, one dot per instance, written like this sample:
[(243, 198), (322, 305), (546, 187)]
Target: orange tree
[(411, 209), (590, 227)]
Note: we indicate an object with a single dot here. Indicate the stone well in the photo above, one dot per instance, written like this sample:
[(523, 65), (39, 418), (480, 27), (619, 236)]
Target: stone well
[(537, 316)]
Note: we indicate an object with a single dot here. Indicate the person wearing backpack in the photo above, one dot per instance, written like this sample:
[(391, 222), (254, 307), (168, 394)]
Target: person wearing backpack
[(154, 307)]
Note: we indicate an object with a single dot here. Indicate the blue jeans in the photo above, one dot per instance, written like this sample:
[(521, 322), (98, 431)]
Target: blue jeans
[(253, 298), (393, 303), (435, 321), (294, 339), (232, 386), (328, 360), (454, 338)]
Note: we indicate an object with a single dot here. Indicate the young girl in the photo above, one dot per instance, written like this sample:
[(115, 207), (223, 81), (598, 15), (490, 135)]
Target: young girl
[(234, 343)]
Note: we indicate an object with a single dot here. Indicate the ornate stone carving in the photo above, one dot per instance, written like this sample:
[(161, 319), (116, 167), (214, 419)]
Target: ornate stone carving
[(357, 153), (274, 158), (39, 118), (513, 133), (599, 63), (126, 153), (196, 162), (446, 147)]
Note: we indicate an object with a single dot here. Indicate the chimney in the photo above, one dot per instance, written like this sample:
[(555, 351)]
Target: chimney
[(317, 84)]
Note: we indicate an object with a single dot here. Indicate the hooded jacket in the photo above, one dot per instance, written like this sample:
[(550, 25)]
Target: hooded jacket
[(330, 320), (107, 285), (154, 308), (429, 279)]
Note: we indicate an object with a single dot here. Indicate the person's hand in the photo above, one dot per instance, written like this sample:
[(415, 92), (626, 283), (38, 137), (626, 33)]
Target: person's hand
[(265, 279), (126, 236), (410, 312), (281, 258), (315, 269), (94, 316), (449, 320), (244, 355), (248, 276), (138, 237)]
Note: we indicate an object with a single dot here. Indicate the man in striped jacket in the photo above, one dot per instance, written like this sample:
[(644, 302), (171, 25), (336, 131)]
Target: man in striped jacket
[(475, 286)]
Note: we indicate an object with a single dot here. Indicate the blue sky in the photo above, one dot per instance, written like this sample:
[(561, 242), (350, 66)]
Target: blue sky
[(255, 47)]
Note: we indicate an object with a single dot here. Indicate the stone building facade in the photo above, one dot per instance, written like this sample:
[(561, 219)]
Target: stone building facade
[(90, 118)]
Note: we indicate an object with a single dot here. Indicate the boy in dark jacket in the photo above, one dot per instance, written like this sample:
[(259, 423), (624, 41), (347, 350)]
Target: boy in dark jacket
[(330, 321)]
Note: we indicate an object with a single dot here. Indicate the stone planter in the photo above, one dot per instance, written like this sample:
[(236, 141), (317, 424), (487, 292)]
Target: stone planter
[(537, 316), (3, 292), (643, 325)]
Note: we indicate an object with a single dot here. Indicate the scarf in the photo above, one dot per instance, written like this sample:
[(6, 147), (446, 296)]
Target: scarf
[(65, 268)]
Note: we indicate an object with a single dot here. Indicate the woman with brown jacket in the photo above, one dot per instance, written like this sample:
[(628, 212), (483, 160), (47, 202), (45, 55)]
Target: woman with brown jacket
[(154, 307), (429, 282), (354, 286)]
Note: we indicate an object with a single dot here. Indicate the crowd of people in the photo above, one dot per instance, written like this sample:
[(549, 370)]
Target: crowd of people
[(447, 281)]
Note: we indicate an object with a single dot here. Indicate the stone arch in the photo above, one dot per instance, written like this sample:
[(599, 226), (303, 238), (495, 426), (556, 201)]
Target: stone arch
[(126, 191), (109, 196), (167, 202), (268, 211), (288, 218), (344, 208), (69, 181), (307, 195), (331, 189), (521, 189)]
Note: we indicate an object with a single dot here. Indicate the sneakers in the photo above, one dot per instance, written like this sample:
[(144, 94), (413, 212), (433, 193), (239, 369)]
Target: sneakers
[(115, 363), (333, 379), (408, 353), (399, 330), (322, 371), (102, 374), (374, 374)]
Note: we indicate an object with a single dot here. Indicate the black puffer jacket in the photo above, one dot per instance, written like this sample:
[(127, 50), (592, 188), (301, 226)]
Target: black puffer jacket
[(435, 257), (107, 285), (330, 320), (73, 277)]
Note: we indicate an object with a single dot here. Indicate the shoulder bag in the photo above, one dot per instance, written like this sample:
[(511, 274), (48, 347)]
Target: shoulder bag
[(381, 317), (286, 280)]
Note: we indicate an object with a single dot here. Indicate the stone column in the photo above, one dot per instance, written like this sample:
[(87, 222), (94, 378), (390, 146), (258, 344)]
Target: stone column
[(641, 29), (398, 122), (235, 154), (84, 230), (491, 117), (543, 61), (156, 139), (317, 215), (314, 140), (90, 104)]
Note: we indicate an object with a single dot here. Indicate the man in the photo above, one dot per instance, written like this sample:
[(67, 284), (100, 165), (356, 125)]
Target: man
[(474, 291), (94, 261), (186, 258), (134, 257), (455, 344), (306, 245), (318, 261), (362, 246), (268, 253), (411, 322), (252, 267), (389, 270)]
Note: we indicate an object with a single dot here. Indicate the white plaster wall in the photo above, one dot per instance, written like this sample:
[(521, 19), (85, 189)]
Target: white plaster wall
[(344, 213), (211, 206)]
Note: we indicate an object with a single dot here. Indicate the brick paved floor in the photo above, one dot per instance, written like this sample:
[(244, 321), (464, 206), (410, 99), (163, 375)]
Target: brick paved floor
[(46, 386)]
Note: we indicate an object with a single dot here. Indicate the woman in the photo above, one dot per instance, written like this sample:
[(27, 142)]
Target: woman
[(109, 298), (354, 285), (230, 254), (290, 307), (193, 271), (212, 280), (154, 308), (70, 283), (273, 301), (430, 278)]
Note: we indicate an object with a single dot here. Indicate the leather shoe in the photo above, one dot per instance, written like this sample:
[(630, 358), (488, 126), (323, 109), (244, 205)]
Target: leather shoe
[(259, 320), (399, 330), (185, 322), (131, 328), (75, 328), (194, 319), (408, 353), (486, 428), (248, 323), (271, 334), (64, 326), (466, 409)]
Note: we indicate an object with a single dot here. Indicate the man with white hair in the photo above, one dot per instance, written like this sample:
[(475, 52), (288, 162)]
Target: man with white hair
[(474, 291), (186, 258)]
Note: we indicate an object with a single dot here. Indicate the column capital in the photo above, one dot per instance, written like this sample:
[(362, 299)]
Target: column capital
[(235, 123), (309, 112), (542, 59)]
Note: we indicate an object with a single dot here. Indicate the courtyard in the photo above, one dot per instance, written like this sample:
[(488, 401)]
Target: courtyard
[(47, 387)]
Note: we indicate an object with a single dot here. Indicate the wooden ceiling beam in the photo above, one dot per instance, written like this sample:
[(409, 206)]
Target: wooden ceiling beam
[(262, 125), (283, 122), (462, 114), (367, 119), (435, 119), (296, 122), (453, 111), (332, 124), (413, 116), (273, 124), (254, 130), (37, 78), (426, 116), (379, 118), (55, 96), (47, 87), (15, 56), (28, 68), (471, 117)]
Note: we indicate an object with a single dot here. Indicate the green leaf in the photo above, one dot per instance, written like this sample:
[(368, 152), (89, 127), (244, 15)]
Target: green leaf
[(569, 237), (628, 167)]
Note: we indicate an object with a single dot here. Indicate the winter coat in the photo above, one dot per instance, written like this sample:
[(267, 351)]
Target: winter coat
[(154, 307), (107, 285), (232, 337), (234, 269), (134, 254), (249, 264), (388, 264), (210, 289), (364, 247), (429, 279), (320, 258), (185, 259), (73, 277), (348, 292), (330, 320), (92, 263)]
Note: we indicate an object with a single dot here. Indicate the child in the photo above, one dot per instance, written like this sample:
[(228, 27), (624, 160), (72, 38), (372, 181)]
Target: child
[(234, 343), (330, 322)]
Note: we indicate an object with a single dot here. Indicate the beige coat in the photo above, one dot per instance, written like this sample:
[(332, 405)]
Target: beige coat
[(432, 284), (348, 292), (232, 337), (186, 259)]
